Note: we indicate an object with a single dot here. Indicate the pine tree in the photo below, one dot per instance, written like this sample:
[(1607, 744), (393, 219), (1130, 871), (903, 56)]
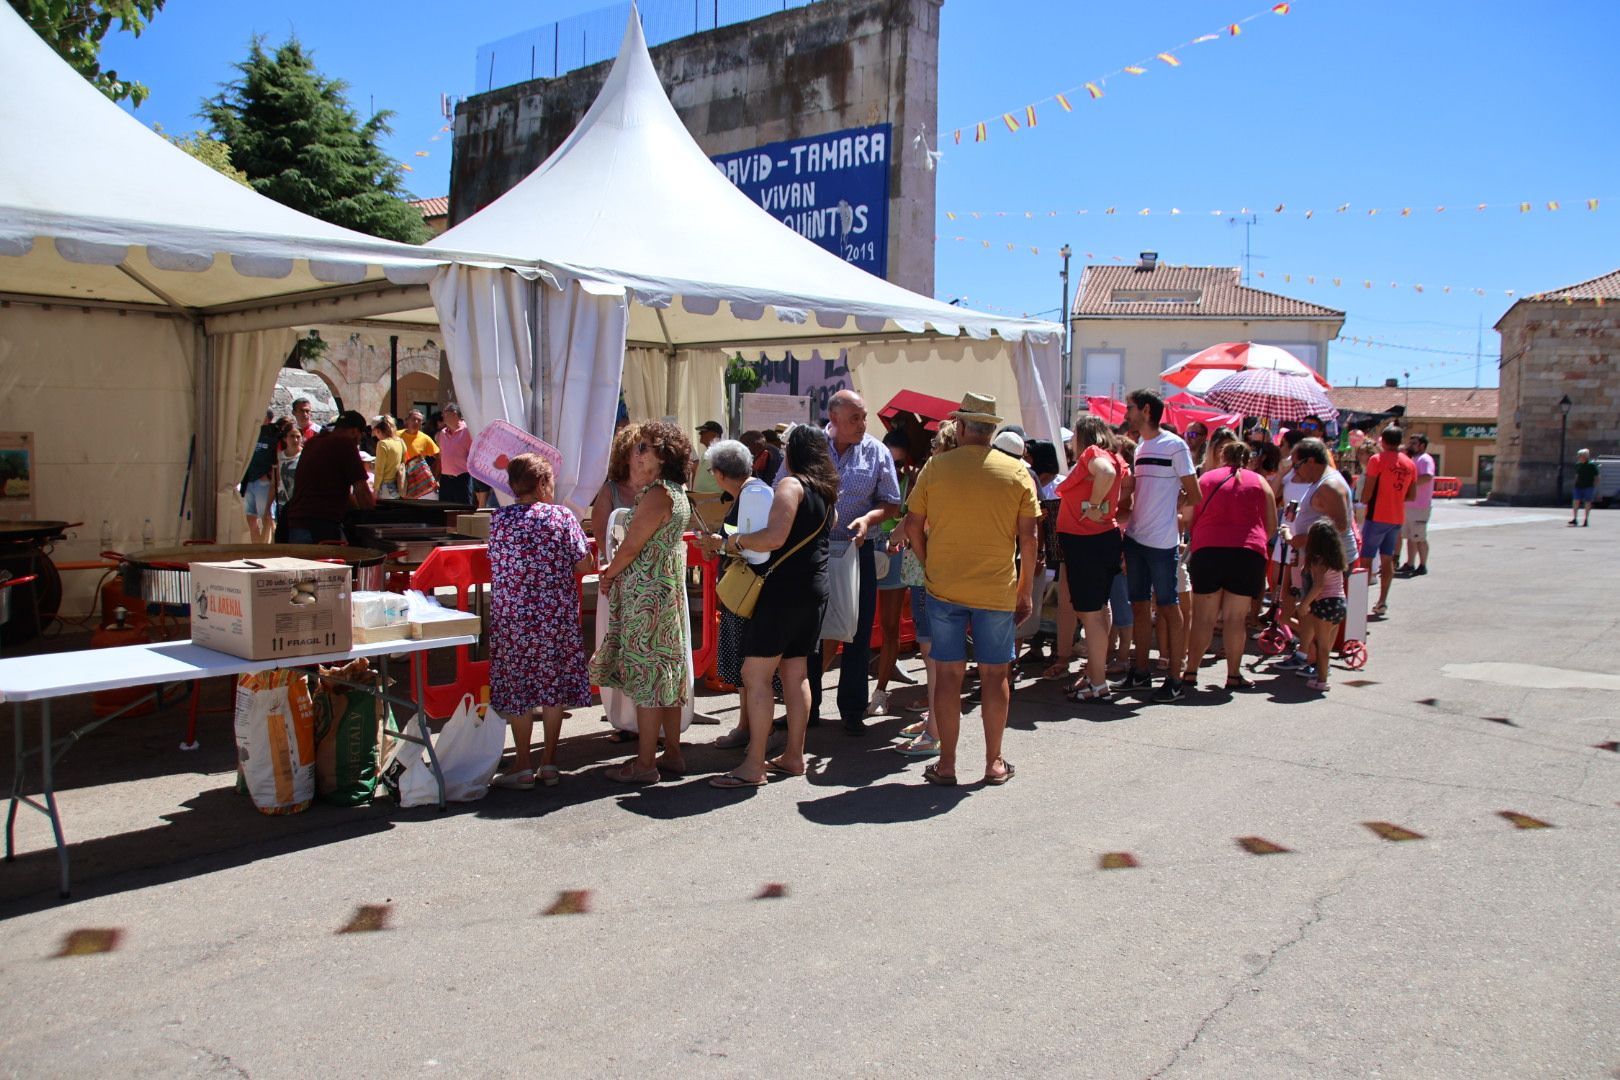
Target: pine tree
[(291, 130)]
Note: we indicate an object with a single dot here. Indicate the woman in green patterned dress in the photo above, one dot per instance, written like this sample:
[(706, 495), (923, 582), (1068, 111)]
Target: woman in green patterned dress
[(645, 651)]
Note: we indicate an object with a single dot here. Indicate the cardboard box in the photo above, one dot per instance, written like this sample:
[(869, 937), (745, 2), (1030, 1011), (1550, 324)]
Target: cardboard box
[(451, 623), (366, 635), (267, 609), (476, 525)]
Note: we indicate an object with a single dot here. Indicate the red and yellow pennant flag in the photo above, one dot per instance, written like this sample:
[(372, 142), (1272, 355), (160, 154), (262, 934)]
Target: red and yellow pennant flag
[(1010, 120), (1201, 38), (1167, 58), (1064, 102), (1553, 205), (979, 132), (1134, 70), (1280, 9), (1591, 204), (958, 136), (1234, 30), (1094, 90), (1029, 115), (1524, 208)]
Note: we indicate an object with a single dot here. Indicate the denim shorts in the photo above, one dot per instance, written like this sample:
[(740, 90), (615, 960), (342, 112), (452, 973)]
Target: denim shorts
[(994, 639), (1152, 573), (1378, 538), (919, 613), (891, 563), (1586, 495), (1119, 603), (256, 497)]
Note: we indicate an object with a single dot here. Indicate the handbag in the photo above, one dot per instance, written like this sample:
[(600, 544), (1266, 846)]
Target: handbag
[(739, 587), (417, 480)]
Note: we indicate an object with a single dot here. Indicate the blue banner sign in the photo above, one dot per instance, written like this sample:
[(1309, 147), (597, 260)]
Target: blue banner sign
[(832, 189)]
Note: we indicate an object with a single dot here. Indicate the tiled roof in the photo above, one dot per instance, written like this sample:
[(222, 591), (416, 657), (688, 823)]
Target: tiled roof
[(1606, 287), (1213, 292), (1442, 402), (438, 206)]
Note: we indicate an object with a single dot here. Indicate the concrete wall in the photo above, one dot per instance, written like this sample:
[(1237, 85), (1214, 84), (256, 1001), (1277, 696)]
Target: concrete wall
[(1145, 341), (1550, 350), (809, 71), (355, 365)]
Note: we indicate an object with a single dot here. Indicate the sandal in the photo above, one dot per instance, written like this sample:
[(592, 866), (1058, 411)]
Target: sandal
[(1189, 680), (911, 731), (1238, 682), (934, 776), (920, 747), (1082, 692), (1058, 668), (775, 765), (731, 780), (629, 774), (997, 781), (549, 775), (1380, 610), (519, 780), (732, 740)]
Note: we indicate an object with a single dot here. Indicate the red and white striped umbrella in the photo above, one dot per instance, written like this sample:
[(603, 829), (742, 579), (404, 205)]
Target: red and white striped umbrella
[(1272, 395), (1203, 369)]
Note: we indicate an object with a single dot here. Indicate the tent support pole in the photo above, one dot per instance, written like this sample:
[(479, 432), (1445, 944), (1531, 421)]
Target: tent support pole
[(538, 361), (173, 304), (204, 483), (672, 368)]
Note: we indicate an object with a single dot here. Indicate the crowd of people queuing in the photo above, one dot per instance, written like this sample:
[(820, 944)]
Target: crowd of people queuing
[(351, 462), (1157, 543)]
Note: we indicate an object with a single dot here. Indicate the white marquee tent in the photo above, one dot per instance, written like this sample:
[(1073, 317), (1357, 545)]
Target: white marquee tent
[(630, 199)]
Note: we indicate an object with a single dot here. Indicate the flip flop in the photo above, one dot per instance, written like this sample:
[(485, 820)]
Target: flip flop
[(776, 766), (728, 780), (934, 776), (629, 774), (997, 781)]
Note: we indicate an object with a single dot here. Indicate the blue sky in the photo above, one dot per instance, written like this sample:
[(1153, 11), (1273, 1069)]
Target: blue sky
[(1375, 103)]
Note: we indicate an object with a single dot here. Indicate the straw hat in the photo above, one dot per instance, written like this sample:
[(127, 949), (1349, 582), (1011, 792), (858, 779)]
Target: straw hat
[(979, 408)]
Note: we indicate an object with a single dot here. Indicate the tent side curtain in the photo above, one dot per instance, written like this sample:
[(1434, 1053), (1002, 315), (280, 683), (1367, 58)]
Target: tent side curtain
[(245, 367), (697, 376), (1023, 376), (488, 318)]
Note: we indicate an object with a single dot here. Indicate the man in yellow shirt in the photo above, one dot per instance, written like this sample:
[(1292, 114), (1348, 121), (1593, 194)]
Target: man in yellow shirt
[(418, 444), (971, 510)]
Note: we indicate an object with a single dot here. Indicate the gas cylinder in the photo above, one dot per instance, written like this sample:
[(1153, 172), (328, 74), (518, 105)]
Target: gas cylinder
[(121, 632)]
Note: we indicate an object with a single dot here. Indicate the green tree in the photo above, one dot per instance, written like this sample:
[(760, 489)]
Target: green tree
[(291, 130), (74, 28), (210, 151)]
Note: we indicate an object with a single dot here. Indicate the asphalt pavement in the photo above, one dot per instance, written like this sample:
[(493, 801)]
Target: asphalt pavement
[(1430, 885)]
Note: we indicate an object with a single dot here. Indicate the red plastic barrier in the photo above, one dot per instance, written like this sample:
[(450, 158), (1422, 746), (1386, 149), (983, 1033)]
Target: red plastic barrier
[(1447, 487), (463, 567)]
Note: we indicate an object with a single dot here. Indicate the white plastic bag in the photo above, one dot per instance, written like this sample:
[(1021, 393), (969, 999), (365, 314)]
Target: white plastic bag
[(843, 593), (469, 751)]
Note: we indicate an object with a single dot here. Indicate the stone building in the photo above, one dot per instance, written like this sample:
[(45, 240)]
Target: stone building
[(1129, 323), (1564, 343), (831, 66), (356, 366), (1459, 421)]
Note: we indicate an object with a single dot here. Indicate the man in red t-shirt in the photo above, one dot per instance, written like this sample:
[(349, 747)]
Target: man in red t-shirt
[(1390, 482), (330, 474)]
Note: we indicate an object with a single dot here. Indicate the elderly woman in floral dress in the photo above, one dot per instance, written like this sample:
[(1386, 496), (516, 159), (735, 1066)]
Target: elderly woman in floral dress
[(537, 650), (645, 651)]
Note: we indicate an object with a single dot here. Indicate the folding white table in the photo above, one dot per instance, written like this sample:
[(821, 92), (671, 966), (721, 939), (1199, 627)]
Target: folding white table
[(48, 676)]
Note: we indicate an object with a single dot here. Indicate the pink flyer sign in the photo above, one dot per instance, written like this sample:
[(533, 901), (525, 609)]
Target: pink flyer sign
[(498, 444)]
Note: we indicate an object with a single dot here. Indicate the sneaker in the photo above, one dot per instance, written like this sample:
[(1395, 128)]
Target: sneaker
[(854, 727), (1293, 663), (1133, 680), (1318, 685), (520, 780), (1170, 691), (1405, 568), (1305, 671), (879, 705), (1420, 571)]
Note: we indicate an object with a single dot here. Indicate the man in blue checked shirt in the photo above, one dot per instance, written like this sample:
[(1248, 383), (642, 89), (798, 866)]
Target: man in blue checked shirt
[(868, 495)]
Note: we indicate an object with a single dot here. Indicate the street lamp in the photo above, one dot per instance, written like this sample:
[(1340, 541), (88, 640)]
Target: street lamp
[(1068, 345), (1563, 437)]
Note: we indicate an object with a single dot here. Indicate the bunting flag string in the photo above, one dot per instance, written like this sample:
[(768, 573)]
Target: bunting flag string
[(1273, 278), (1281, 209), (1094, 86)]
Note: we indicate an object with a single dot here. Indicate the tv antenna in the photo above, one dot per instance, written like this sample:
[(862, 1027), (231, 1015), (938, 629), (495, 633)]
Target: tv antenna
[(1248, 222)]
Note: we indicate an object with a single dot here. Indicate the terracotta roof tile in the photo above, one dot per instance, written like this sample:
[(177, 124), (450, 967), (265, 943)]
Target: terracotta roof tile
[(1606, 287), (438, 206), (1205, 292), (1442, 402)]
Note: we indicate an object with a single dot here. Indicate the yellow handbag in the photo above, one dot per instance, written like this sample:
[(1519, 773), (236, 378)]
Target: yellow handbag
[(739, 587)]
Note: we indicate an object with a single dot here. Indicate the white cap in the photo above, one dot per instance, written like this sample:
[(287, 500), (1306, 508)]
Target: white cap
[(1068, 436), (1009, 442)]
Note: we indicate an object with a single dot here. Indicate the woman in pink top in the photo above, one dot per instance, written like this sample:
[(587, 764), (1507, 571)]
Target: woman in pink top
[(1088, 531), (1230, 527)]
